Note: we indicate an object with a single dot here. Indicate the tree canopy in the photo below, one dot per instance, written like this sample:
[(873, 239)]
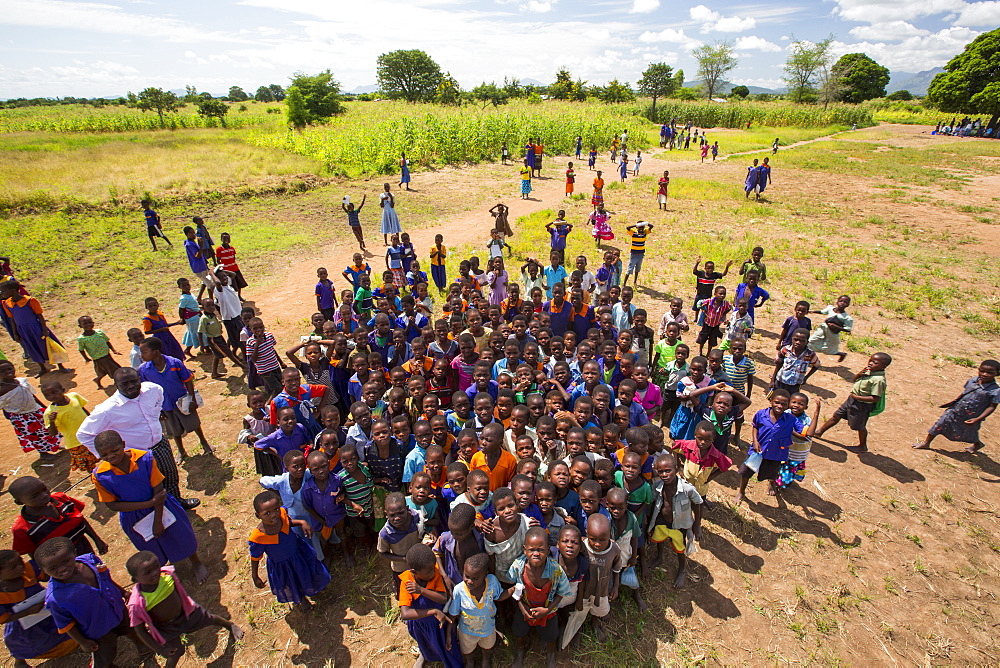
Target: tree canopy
[(616, 91), (714, 63), (320, 95), (740, 91), (806, 61), (656, 82), (968, 75), (213, 109), (448, 91), (489, 93), (264, 94), (411, 75), (237, 94), (859, 78), (154, 99)]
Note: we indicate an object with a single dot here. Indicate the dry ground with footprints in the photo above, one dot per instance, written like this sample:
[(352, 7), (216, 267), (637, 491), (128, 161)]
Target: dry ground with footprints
[(890, 557)]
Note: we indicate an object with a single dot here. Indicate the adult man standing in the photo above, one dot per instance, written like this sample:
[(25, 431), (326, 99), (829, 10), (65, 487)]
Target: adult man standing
[(134, 412)]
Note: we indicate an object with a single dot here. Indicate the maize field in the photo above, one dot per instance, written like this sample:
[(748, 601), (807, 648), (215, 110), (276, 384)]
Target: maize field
[(770, 114), (85, 118)]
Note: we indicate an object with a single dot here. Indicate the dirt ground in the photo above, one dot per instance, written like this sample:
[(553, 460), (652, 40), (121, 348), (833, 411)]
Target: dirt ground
[(890, 557)]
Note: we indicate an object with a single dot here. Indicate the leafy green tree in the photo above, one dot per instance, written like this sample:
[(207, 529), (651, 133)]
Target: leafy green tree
[(214, 109), (578, 93), (900, 96), (237, 94), (806, 61), (678, 80), (408, 74), (987, 101), (740, 91), (190, 95), (968, 74), (277, 91), (295, 108), (617, 91), (687, 93), (155, 99), (513, 88), (489, 93), (656, 82), (860, 78), (714, 63), (320, 95), (264, 94), (563, 86), (448, 91)]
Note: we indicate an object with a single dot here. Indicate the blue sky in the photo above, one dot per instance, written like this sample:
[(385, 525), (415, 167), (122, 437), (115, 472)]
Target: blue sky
[(65, 47)]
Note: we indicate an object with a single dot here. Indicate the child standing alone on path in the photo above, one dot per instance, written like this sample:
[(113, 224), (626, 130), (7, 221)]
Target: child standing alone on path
[(354, 218), (153, 227), (977, 402)]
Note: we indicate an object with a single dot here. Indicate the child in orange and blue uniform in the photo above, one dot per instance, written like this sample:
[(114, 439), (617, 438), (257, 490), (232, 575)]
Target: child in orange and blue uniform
[(422, 597), (38, 642), (293, 570)]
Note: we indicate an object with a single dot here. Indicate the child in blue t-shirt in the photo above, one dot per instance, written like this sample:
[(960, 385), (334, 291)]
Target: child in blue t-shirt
[(773, 429), (473, 607)]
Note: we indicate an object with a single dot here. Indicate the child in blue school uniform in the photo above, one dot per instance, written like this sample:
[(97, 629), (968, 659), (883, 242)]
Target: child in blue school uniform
[(38, 642), (130, 483), (422, 598), (294, 571), (85, 603), (773, 429)]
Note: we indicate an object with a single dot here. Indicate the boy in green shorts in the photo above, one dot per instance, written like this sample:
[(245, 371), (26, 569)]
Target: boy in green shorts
[(867, 398)]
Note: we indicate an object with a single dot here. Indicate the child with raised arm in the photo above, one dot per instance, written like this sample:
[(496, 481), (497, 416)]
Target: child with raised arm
[(793, 469), (354, 218), (95, 346), (130, 483), (154, 228), (961, 421), (294, 571), (867, 398), (85, 603), (161, 612), (422, 599), (226, 256)]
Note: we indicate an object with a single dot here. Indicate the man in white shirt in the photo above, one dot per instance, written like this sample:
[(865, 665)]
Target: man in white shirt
[(134, 412)]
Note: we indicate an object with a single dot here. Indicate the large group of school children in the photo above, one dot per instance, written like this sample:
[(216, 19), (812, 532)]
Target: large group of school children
[(519, 456)]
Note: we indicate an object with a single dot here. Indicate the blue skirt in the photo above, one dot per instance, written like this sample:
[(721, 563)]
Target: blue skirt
[(430, 637), (405, 176), (191, 335), (300, 575), (683, 423), (176, 543), (525, 186)]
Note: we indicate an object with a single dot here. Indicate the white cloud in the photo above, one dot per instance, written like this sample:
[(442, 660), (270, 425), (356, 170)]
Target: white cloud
[(980, 14), (913, 54), (672, 36), (889, 30), (644, 6), (104, 18), (752, 42), (537, 6), (874, 11), (712, 21)]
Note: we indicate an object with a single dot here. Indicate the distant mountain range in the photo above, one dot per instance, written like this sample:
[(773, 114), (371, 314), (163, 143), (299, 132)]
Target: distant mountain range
[(727, 86), (915, 83)]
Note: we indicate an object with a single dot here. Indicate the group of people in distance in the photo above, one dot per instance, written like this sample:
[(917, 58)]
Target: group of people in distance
[(520, 450)]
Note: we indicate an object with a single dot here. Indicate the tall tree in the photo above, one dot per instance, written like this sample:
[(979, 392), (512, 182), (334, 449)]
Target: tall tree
[(968, 75), (295, 108), (448, 91), (154, 99), (860, 78), (264, 94), (740, 92), (277, 91), (616, 91), (562, 89), (320, 95), (408, 74), (806, 61), (237, 94), (489, 93), (714, 63), (656, 82), (190, 94)]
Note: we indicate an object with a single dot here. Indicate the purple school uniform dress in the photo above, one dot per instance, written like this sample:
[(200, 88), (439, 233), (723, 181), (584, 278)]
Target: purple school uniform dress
[(170, 345), (177, 542), (39, 639), (29, 329), (95, 612), (293, 570)]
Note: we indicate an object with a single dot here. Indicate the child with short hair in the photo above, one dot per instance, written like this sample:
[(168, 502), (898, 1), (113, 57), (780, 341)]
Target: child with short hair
[(153, 226), (422, 598), (713, 314), (867, 399), (135, 337), (294, 570), (455, 546), (226, 256), (596, 592), (675, 516), (540, 585), (161, 612), (772, 436), (85, 602), (263, 358), (700, 461), (46, 515), (95, 346), (964, 415), (326, 295), (799, 320), (794, 364), (63, 416), (473, 608), (793, 469), (400, 532), (323, 497), (18, 586), (826, 337), (356, 481)]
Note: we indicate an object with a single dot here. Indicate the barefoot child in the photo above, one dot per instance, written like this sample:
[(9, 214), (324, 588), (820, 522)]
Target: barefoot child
[(294, 571), (805, 428), (540, 585), (356, 480), (473, 608), (626, 532), (323, 497), (40, 641), (505, 532), (676, 514), (422, 598), (95, 346), (700, 461), (46, 515), (85, 602), (826, 337), (161, 612), (596, 592), (130, 483), (189, 311), (772, 436), (63, 417), (210, 328), (867, 398), (965, 414)]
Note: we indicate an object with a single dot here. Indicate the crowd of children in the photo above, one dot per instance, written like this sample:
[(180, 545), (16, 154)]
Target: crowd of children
[(520, 455)]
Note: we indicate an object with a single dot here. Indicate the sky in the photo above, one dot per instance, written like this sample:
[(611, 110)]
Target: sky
[(54, 48)]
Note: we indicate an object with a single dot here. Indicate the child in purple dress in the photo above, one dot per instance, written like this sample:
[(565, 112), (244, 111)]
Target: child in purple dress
[(155, 323), (40, 641)]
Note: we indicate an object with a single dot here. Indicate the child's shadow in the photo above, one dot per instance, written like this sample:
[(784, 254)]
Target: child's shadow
[(747, 529), (729, 554), (978, 459), (782, 516), (698, 589), (100, 512), (891, 467), (207, 473), (823, 451), (323, 641), (653, 293)]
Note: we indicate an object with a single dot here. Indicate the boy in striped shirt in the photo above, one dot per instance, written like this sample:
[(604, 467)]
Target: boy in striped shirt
[(638, 233), (262, 355)]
